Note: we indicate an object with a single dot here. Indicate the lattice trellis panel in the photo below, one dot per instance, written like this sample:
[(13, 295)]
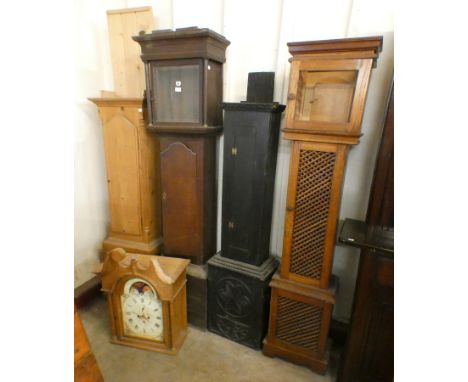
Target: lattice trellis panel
[(298, 323), (312, 203)]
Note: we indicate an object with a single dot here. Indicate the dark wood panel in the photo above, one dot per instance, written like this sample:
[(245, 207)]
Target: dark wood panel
[(87, 291), (181, 223), (380, 209), (214, 93), (369, 351), (250, 152), (197, 301)]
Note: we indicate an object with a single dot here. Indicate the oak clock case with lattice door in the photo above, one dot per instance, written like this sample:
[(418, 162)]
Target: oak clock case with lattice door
[(326, 98), (147, 300)]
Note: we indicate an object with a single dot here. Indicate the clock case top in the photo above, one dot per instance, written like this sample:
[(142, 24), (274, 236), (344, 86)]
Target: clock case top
[(191, 106), (166, 274), (337, 70)]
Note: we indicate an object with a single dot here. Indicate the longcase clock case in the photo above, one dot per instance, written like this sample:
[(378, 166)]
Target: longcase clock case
[(183, 70), (326, 98), (238, 276)]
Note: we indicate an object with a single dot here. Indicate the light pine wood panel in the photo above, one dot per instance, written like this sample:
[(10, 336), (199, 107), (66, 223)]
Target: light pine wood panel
[(120, 137), (128, 69)]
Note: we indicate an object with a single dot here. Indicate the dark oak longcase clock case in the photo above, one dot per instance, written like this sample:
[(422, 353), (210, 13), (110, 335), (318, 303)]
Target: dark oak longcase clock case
[(184, 94), (184, 83)]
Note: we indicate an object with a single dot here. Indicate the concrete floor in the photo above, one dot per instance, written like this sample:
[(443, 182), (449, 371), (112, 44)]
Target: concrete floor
[(204, 357)]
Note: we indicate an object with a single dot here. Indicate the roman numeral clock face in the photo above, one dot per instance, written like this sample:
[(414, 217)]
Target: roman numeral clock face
[(142, 311)]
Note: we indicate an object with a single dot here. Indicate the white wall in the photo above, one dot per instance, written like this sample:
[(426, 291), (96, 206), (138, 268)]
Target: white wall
[(92, 73), (258, 31)]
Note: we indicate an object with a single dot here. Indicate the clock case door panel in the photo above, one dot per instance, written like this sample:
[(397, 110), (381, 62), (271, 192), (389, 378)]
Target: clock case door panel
[(177, 96), (174, 317), (196, 102), (250, 152), (187, 174), (118, 328), (329, 124), (120, 137), (312, 206)]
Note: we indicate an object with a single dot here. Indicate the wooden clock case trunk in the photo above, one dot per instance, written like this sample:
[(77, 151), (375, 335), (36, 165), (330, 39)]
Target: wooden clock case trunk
[(238, 276), (326, 99), (133, 177), (184, 94)]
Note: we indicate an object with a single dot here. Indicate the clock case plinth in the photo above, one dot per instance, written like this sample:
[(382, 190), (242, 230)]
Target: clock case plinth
[(299, 321), (167, 276), (238, 299)]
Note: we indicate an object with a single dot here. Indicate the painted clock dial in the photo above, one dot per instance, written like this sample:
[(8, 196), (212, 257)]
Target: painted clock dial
[(142, 310)]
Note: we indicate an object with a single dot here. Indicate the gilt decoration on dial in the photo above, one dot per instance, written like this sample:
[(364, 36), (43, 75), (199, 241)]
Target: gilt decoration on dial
[(142, 310)]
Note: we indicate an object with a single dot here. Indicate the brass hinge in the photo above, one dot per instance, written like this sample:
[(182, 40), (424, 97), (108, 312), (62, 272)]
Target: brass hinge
[(234, 151)]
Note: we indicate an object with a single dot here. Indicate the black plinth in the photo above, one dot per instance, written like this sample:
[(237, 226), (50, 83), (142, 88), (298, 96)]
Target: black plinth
[(239, 299)]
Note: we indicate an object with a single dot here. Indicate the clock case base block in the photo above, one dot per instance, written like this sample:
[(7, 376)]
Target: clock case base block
[(197, 287), (231, 282), (317, 365), (296, 305), (154, 247)]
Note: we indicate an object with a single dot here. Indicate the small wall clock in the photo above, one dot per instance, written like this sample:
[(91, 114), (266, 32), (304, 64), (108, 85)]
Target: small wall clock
[(147, 300)]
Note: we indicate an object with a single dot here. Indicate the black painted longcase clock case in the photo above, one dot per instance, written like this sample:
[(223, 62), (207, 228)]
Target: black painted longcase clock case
[(184, 84), (238, 276)]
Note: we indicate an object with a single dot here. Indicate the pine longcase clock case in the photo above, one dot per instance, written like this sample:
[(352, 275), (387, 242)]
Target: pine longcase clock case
[(133, 177), (147, 300), (326, 98)]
